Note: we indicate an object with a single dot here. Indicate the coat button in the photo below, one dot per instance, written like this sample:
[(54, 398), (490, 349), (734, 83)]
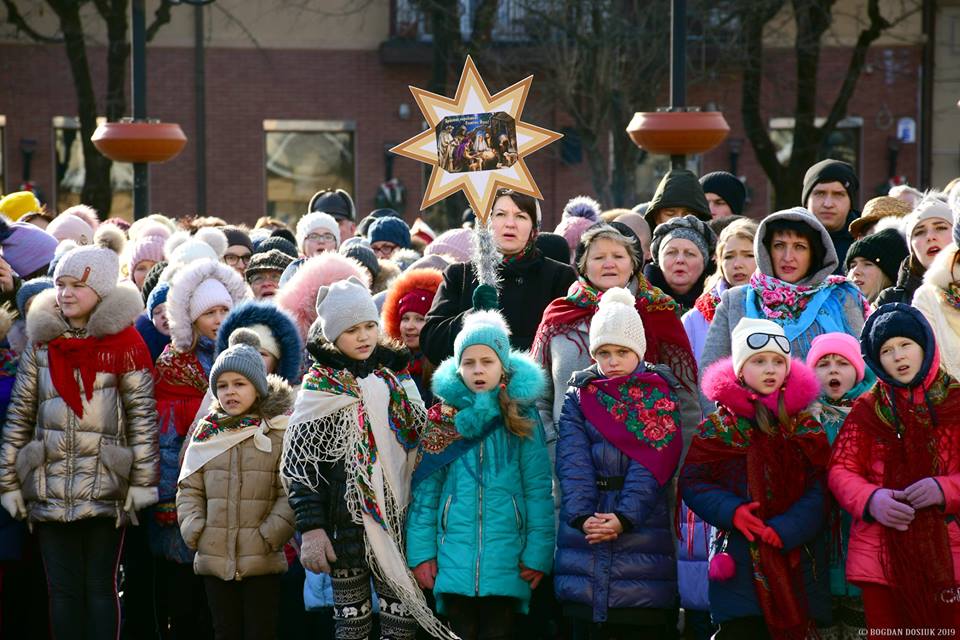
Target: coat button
[(520, 281)]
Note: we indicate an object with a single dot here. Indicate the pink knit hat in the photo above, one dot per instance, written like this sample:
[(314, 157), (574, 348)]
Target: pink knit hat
[(842, 344), (69, 226), (455, 243), (149, 245)]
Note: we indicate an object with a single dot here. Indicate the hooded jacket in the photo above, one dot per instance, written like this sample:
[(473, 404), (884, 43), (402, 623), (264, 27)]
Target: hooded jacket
[(800, 526), (678, 188), (233, 510), (490, 509), (639, 568), (70, 468), (842, 311), (943, 317)]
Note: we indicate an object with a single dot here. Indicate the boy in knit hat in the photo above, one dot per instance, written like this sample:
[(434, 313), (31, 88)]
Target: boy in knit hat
[(388, 234), (725, 194), (230, 500), (349, 453), (79, 450), (618, 449)]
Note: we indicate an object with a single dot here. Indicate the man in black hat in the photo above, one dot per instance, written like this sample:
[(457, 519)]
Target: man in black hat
[(830, 189), (338, 204)]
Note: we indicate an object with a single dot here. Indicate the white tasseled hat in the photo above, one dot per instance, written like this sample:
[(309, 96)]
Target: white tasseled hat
[(617, 322)]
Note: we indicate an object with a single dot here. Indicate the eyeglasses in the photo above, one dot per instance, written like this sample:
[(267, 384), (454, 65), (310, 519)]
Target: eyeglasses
[(321, 237), (269, 276), (384, 250), (233, 259), (760, 340)]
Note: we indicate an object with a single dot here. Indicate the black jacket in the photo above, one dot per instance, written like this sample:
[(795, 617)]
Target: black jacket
[(527, 288), (842, 239), (327, 509), (909, 279)]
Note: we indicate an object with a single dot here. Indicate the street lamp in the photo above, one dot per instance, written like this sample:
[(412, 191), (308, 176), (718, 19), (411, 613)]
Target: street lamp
[(678, 130)]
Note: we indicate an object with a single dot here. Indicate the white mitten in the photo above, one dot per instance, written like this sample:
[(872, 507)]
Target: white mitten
[(316, 552), (12, 501), (140, 497)]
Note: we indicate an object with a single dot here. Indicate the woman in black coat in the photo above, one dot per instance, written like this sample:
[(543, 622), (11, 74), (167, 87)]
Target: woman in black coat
[(529, 281)]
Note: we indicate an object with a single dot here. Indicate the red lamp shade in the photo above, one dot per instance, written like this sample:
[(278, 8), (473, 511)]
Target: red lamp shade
[(139, 141), (679, 132)]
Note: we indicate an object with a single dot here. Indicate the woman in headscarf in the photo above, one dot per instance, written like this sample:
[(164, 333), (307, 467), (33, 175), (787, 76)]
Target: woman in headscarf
[(682, 251)]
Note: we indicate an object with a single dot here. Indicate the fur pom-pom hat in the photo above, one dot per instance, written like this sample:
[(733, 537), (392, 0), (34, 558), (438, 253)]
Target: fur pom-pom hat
[(241, 356), (298, 295), (183, 248), (97, 265), (317, 222), (86, 213), (487, 327), (195, 289), (579, 214), (618, 322)]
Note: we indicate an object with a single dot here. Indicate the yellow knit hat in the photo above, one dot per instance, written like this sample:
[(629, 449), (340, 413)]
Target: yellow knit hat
[(18, 204)]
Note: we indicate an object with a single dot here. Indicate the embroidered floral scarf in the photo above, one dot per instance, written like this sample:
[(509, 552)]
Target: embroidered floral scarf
[(526, 254), (400, 417), (640, 416), (780, 300), (707, 303), (441, 444), (951, 295)]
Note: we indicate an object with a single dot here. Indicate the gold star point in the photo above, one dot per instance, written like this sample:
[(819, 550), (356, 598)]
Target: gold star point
[(472, 97)]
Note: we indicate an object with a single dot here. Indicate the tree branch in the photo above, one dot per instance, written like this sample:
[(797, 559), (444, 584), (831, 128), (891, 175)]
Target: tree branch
[(160, 17), (15, 18)]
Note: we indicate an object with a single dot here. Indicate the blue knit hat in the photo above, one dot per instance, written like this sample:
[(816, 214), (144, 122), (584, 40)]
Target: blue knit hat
[(157, 297), (895, 320), (487, 328), (28, 290), (389, 229)]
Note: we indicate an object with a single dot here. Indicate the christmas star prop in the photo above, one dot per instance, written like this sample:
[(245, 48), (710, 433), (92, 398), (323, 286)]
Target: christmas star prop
[(475, 104)]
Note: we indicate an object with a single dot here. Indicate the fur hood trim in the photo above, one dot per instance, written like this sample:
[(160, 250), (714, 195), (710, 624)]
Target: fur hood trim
[(7, 317), (117, 311), (940, 274), (526, 382), (721, 385), (182, 289), (389, 353), (426, 279), (389, 271), (299, 295), (281, 325), (279, 399)]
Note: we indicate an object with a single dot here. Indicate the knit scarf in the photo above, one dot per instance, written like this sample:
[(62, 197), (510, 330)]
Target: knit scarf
[(639, 415), (914, 436), (115, 354), (526, 254), (725, 444), (563, 317), (707, 303)]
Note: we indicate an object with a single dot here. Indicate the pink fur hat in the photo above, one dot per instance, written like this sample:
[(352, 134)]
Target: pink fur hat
[(720, 384), (299, 295)]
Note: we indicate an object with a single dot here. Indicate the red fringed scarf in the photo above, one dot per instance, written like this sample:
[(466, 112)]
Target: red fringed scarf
[(707, 303), (915, 438), (180, 386), (716, 458), (116, 354), (661, 324)]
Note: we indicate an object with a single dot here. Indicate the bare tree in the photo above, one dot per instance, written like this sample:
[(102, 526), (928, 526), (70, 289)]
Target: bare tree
[(97, 191), (811, 20)]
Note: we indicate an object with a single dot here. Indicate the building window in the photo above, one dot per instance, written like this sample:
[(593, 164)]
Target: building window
[(70, 172), (842, 144), (509, 24), (304, 156)]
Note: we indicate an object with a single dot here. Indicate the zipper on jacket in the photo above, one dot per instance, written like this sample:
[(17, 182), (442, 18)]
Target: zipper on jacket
[(480, 520), (516, 511), (443, 518)]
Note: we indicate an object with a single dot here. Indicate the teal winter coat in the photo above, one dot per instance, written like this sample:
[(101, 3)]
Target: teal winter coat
[(491, 509)]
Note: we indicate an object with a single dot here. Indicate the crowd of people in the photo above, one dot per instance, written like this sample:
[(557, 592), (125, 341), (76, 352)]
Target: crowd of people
[(672, 421)]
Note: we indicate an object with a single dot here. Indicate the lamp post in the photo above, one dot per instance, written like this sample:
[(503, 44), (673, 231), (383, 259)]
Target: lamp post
[(678, 130)]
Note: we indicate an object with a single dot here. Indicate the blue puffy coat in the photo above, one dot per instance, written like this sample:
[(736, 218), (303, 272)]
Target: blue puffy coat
[(639, 568), (491, 509)]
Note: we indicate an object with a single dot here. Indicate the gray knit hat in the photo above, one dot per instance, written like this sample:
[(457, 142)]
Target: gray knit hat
[(243, 357), (343, 305), (688, 228)]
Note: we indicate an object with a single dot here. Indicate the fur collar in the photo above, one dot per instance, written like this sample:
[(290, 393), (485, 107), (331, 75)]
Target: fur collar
[(389, 271), (279, 399), (389, 354), (526, 384), (722, 386), (112, 315), (281, 325), (940, 274)]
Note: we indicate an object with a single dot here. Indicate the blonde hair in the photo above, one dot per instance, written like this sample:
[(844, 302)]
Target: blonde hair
[(742, 229), (513, 419)]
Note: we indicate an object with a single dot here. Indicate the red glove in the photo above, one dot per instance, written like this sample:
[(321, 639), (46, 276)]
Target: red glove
[(531, 575), (747, 523), (771, 537), (426, 573)]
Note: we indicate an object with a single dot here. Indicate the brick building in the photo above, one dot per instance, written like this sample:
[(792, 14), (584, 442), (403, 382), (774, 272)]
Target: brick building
[(297, 99)]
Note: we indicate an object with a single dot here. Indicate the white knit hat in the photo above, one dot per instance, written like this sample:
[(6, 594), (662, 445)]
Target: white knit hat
[(267, 340), (211, 293), (617, 322), (317, 221), (757, 335)]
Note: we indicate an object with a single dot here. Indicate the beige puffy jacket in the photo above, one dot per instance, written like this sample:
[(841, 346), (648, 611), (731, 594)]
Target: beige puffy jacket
[(233, 510), (71, 468)]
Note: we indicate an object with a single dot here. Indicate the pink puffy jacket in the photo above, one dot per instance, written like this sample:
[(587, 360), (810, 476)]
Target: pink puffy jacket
[(853, 487)]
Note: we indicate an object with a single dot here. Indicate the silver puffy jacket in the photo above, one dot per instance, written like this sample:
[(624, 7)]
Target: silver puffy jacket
[(71, 468)]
